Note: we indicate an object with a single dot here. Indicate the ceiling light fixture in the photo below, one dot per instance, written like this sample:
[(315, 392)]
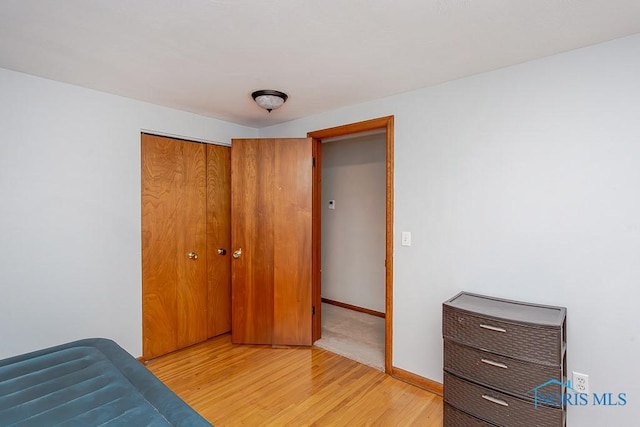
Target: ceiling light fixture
[(269, 99)]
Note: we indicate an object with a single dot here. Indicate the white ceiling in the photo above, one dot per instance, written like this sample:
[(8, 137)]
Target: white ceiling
[(207, 56)]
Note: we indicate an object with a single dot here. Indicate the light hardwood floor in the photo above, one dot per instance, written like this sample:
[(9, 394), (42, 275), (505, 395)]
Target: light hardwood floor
[(262, 386)]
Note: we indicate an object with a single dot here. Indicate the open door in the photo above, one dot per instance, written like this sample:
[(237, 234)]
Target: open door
[(271, 234)]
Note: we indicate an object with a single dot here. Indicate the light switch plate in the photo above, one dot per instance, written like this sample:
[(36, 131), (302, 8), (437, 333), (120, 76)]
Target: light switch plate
[(332, 204), (405, 239)]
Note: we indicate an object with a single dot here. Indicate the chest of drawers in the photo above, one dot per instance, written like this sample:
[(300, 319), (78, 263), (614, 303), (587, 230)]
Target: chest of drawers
[(500, 358)]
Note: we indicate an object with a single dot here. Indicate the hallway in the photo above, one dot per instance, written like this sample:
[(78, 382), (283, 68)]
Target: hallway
[(352, 334)]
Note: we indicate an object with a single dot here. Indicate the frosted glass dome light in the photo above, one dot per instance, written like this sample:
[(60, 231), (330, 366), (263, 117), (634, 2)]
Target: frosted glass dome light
[(269, 99)]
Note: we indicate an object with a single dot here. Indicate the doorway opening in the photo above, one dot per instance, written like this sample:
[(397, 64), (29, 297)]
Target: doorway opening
[(383, 127)]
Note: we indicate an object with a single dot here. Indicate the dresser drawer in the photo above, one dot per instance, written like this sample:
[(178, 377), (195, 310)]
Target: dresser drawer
[(454, 417), (526, 342), (503, 373), (496, 407)]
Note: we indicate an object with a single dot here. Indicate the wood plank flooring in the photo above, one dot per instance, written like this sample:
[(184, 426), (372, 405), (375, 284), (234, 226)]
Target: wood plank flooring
[(250, 385)]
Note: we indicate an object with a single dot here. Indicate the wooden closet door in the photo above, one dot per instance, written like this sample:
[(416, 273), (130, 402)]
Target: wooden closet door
[(219, 238), (271, 182), (174, 270)]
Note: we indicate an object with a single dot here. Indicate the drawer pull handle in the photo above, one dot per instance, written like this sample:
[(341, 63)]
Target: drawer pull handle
[(492, 328), (492, 363), (494, 400)]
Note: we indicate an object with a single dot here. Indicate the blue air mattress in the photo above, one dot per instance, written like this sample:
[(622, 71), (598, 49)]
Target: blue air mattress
[(87, 383)]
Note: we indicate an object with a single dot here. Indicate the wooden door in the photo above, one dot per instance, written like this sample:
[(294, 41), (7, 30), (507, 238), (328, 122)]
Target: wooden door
[(292, 243), (271, 192), (218, 239), (252, 170), (174, 270)]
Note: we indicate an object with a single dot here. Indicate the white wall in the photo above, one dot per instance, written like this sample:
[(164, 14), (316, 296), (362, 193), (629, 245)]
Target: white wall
[(70, 210), (353, 234), (521, 183)]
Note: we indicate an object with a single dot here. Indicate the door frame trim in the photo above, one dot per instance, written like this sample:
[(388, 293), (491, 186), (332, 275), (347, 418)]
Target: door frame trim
[(386, 123)]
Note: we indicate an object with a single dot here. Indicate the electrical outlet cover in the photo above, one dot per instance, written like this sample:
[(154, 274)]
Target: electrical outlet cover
[(580, 382)]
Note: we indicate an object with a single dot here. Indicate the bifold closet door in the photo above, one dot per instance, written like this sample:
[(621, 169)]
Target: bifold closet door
[(219, 239), (174, 261), (271, 193)]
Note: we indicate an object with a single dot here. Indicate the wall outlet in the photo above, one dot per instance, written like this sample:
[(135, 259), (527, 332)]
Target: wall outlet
[(580, 382)]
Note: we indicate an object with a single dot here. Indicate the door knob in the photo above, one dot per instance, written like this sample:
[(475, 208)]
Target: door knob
[(236, 254), (192, 255), (222, 251)]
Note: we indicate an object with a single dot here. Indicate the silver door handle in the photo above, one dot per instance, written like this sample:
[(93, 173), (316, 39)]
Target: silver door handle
[(192, 255), (237, 254)]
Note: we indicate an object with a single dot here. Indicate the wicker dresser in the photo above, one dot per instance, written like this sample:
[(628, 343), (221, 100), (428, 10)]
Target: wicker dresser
[(497, 355)]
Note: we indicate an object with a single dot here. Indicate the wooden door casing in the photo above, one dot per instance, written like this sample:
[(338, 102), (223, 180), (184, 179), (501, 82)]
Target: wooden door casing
[(381, 123), (174, 294), (271, 191)]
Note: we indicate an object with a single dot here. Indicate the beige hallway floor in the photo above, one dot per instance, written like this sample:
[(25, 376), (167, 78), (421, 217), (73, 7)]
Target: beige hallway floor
[(352, 334)]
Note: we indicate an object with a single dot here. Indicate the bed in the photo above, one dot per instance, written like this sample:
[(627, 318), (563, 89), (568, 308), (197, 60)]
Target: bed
[(87, 383)]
